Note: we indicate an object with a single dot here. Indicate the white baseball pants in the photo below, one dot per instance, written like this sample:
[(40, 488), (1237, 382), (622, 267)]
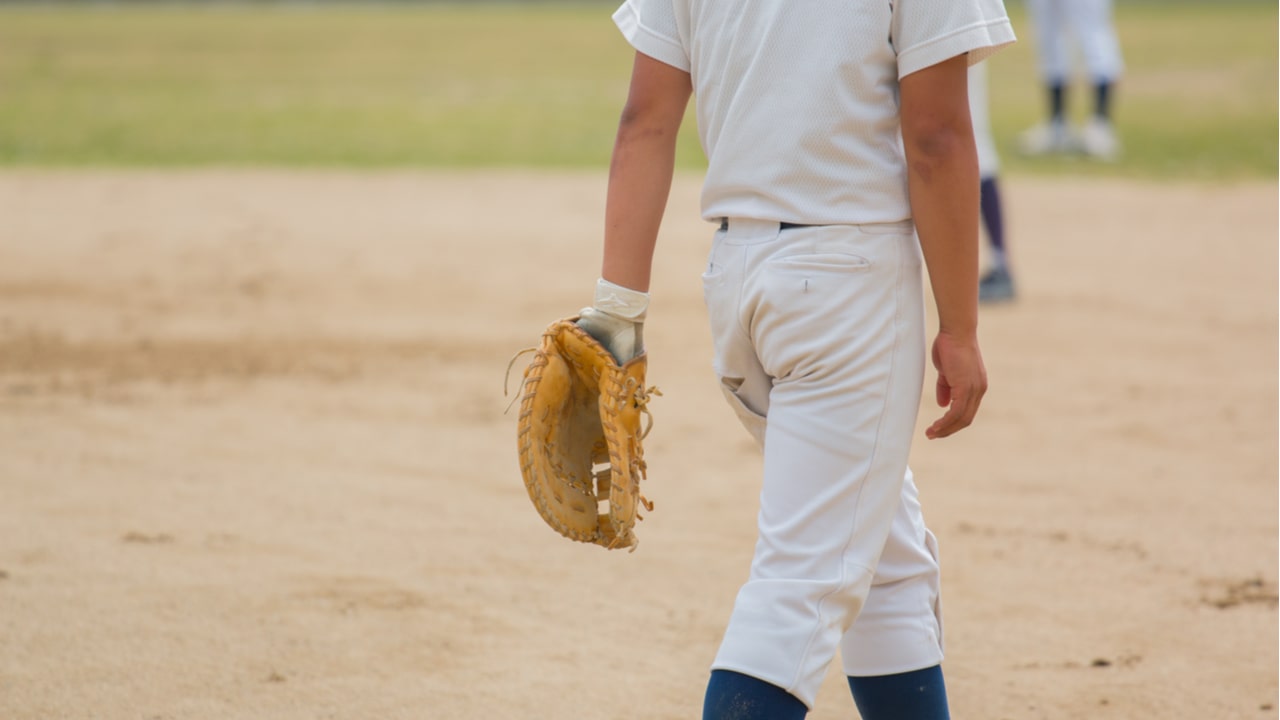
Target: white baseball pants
[(980, 115), (820, 348), (1090, 23)]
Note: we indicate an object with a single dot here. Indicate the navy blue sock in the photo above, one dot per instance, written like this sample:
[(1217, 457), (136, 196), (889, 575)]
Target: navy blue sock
[(734, 696), (1102, 99), (918, 695), (993, 218), (1057, 100)]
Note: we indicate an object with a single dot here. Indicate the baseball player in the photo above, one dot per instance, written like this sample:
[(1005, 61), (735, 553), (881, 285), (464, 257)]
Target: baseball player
[(840, 160), (996, 284), (1089, 23)]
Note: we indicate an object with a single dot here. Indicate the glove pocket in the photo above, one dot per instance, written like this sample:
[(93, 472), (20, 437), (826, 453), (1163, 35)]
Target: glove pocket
[(559, 432)]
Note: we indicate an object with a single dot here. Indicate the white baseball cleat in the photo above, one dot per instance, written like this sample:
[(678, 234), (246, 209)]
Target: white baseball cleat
[(1046, 139), (1098, 140)]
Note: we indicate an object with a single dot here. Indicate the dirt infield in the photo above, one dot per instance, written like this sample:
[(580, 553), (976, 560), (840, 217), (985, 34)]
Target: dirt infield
[(254, 461)]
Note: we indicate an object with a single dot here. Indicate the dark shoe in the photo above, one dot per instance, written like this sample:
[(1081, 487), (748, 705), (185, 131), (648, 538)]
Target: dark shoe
[(996, 286)]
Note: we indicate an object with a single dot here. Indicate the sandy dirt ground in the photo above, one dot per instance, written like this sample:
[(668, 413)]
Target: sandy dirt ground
[(254, 461)]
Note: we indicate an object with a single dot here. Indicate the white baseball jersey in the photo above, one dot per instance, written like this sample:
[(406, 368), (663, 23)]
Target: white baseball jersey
[(797, 101)]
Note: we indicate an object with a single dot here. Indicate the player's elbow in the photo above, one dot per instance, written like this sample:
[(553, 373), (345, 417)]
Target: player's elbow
[(647, 120), (636, 115), (934, 139), (940, 150)]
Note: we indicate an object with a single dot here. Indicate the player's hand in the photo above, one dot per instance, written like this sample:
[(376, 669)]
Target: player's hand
[(623, 338), (617, 319), (962, 381)]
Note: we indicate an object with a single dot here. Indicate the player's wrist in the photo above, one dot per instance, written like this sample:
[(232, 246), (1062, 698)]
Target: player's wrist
[(616, 319), (960, 330), (621, 302), (958, 317)]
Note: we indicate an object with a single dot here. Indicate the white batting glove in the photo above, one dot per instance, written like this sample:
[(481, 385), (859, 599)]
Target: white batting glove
[(617, 319)]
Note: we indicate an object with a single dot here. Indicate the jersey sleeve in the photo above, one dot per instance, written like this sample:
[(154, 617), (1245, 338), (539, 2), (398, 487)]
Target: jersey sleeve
[(927, 32), (652, 29)]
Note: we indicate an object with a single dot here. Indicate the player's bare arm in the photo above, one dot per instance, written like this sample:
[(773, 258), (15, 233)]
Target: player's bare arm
[(639, 182), (641, 169), (942, 177)]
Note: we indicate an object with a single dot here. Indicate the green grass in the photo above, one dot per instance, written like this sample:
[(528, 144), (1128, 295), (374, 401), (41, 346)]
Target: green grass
[(390, 85), (520, 85)]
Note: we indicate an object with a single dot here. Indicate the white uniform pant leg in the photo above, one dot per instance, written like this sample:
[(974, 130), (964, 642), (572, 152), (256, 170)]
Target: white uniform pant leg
[(1099, 46), (819, 336), (900, 627), (1051, 26), (980, 113)]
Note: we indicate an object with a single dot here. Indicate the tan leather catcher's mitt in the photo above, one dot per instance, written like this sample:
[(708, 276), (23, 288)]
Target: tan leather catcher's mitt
[(579, 437)]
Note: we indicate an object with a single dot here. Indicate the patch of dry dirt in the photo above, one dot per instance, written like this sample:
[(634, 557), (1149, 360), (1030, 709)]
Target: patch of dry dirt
[(254, 460)]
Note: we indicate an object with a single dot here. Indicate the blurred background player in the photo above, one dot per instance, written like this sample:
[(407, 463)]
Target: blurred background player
[(996, 284), (1089, 24)]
